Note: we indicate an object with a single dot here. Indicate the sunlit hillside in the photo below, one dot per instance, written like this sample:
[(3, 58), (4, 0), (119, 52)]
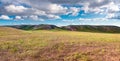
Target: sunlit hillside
[(42, 45)]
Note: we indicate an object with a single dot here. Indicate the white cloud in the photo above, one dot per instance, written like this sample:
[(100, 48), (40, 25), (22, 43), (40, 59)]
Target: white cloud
[(110, 15), (5, 17), (112, 7), (68, 21), (35, 17), (52, 9), (99, 1), (18, 18), (56, 9), (15, 9), (39, 12), (53, 17), (74, 11), (85, 7), (100, 6), (92, 19), (84, 19)]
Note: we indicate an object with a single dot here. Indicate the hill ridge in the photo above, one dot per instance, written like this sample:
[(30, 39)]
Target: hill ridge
[(86, 28)]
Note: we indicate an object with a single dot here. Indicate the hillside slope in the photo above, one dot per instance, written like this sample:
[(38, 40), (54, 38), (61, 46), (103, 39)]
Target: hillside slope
[(45, 45), (86, 28), (35, 27), (9, 30)]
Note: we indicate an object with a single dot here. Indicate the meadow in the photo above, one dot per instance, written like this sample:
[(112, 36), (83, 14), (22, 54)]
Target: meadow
[(53, 45)]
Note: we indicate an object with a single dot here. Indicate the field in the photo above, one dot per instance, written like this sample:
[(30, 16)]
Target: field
[(52, 45)]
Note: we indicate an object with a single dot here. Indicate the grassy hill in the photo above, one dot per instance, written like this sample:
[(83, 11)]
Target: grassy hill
[(85, 28), (48, 45), (35, 27), (90, 28)]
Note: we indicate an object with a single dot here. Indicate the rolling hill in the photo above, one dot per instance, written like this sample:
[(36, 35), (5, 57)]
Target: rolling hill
[(85, 28), (90, 28), (47, 45), (35, 27)]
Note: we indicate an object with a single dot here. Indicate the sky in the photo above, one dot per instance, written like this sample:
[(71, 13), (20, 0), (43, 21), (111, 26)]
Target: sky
[(60, 12)]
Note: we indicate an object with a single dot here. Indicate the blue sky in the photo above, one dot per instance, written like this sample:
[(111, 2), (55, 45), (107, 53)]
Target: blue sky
[(60, 12)]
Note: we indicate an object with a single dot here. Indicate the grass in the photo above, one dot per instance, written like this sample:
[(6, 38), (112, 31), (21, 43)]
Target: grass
[(43, 45)]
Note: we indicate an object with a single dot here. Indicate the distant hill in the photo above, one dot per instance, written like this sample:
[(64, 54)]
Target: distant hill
[(35, 27), (86, 28), (90, 28)]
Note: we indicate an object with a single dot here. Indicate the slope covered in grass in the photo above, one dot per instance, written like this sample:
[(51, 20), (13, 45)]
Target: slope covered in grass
[(93, 28), (42, 45), (85, 28)]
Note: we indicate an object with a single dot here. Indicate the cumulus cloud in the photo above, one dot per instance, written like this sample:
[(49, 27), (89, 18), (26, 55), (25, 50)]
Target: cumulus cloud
[(53, 17), (110, 15), (18, 18), (53, 9), (5, 17), (56, 9), (92, 19), (15, 9), (113, 7), (74, 11), (34, 17), (44, 11)]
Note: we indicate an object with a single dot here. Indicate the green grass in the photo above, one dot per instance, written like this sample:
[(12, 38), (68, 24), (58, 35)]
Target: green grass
[(43, 45)]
